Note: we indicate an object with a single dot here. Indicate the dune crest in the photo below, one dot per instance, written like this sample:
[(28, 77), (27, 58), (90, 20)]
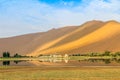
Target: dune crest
[(91, 25), (106, 31), (92, 36)]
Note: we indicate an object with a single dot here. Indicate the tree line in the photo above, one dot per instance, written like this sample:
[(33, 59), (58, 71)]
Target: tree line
[(7, 55), (95, 54)]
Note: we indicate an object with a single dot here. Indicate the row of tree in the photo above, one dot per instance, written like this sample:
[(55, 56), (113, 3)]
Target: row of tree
[(7, 54), (106, 53)]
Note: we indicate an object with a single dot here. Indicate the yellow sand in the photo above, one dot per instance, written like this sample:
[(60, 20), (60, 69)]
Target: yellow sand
[(105, 31)]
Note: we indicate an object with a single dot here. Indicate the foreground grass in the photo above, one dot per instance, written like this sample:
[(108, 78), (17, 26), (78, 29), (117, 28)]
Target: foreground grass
[(53, 73)]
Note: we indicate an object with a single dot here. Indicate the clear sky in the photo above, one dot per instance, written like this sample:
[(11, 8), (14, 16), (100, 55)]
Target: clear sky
[(28, 16)]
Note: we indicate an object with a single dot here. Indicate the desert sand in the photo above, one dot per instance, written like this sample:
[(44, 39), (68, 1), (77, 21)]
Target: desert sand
[(92, 36)]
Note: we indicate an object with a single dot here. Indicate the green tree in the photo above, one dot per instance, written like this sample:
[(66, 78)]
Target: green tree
[(106, 53), (17, 55), (117, 54), (6, 54)]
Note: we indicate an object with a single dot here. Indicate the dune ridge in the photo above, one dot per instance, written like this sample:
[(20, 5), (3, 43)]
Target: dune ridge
[(95, 36), (92, 36)]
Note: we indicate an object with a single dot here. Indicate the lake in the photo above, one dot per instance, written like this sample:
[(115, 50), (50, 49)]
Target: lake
[(63, 63)]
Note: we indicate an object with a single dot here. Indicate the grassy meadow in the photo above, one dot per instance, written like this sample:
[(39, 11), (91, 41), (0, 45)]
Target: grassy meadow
[(55, 73), (61, 73)]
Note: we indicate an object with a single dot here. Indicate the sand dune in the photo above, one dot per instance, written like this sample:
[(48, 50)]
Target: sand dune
[(92, 36), (25, 44), (81, 31), (107, 31)]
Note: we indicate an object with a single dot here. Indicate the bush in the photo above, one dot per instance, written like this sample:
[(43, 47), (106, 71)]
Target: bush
[(94, 54), (17, 55), (106, 53), (117, 54)]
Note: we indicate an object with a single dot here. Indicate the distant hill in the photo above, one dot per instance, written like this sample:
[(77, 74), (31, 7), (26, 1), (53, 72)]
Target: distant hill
[(92, 36), (25, 44)]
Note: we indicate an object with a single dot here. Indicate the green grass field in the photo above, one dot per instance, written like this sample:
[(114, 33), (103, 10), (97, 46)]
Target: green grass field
[(64, 73), (58, 73)]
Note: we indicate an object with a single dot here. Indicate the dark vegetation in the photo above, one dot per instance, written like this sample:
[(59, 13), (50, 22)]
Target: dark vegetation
[(7, 55), (106, 53), (93, 54)]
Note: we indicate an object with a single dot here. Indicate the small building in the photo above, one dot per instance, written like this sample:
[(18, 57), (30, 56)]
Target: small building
[(57, 56)]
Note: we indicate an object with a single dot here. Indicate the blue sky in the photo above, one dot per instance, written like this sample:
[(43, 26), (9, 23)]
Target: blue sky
[(28, 16)]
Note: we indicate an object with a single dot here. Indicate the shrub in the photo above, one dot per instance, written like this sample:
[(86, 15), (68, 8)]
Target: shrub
[(17, 55)]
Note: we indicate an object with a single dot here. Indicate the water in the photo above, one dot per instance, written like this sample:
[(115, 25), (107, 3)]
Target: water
[(63, 63)]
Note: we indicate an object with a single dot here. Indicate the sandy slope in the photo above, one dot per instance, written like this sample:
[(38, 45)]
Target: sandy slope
[(106, 34), (25, 44), (81, 31), (93, 36)]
